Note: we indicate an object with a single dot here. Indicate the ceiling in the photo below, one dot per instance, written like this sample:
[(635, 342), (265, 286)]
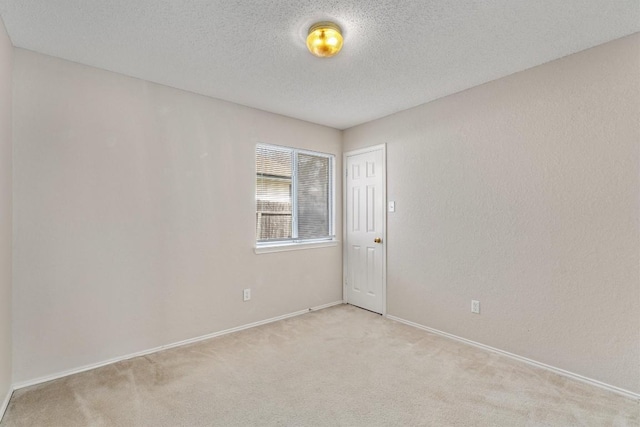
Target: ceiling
[(397, 53)]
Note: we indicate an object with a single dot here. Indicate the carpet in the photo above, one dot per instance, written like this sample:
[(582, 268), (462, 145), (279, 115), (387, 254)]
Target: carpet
[(340, 366)]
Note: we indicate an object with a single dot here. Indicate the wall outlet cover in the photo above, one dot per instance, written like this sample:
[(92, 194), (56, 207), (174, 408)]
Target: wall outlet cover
[(475, 306)]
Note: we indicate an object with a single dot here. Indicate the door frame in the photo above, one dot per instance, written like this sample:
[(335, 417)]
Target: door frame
[(345, 247)]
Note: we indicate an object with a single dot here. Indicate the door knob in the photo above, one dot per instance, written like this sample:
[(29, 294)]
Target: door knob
[(377, 240)]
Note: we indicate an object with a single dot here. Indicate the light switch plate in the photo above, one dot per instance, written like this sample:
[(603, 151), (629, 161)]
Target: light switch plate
[(392, 206)]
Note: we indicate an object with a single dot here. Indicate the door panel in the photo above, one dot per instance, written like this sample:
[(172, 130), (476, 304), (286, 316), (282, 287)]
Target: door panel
[(371, 205), (365, 213)]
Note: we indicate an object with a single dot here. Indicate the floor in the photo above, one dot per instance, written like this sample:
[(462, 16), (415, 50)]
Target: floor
[(341, 366)]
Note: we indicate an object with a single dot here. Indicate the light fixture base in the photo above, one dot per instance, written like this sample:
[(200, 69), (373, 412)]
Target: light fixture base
[(325, 24)]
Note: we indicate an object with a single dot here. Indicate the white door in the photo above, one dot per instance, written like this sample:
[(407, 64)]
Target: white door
[(365, 228)]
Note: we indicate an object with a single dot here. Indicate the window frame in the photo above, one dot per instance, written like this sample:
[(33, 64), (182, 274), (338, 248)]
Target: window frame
[(295, 243)]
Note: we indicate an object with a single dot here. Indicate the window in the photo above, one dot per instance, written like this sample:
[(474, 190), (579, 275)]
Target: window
[(294, 196)]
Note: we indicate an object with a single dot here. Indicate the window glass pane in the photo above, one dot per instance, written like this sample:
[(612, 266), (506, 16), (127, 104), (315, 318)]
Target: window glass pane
[(313, 188), (273, 193)]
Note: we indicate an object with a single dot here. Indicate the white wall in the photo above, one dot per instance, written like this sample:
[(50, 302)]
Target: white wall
[(6, 60), (523, 193), (135, 217)]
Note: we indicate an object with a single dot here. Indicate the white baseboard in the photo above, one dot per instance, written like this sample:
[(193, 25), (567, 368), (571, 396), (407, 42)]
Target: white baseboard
[(165, 347), (559, 371), (5, 403)]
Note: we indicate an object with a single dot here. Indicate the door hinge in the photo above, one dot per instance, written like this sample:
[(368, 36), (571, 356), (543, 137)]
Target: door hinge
[(346, 172)]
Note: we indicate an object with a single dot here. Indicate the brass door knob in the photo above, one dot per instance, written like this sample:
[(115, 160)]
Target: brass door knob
[(377, 240)]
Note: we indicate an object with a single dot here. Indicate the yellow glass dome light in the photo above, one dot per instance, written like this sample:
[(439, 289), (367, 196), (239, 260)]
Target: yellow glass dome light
[(324, 39)]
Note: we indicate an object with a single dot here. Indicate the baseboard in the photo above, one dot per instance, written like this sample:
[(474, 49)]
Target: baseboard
[(166, 347), (559, 371), (5, 403)]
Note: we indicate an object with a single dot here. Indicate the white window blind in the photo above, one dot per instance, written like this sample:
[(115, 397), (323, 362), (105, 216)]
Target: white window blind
[(294, 195)]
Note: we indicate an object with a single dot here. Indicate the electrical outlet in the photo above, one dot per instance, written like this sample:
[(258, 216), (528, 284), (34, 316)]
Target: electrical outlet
[(475, 306), (246, 295)]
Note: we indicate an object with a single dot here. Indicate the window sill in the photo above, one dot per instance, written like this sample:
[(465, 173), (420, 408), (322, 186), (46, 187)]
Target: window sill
[(283, 247)]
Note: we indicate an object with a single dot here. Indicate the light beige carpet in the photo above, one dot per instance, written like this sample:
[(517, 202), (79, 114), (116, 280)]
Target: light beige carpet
[(336, 367)]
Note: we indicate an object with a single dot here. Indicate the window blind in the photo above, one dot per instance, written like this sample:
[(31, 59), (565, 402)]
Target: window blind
[(294, 195), (274, 198), (313, 196)]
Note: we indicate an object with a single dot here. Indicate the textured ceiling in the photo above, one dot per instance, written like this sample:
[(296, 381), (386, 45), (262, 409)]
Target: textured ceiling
[(397, 54)]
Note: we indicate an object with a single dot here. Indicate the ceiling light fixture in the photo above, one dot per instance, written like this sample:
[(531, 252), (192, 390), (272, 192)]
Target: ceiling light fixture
[(324, 39)]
